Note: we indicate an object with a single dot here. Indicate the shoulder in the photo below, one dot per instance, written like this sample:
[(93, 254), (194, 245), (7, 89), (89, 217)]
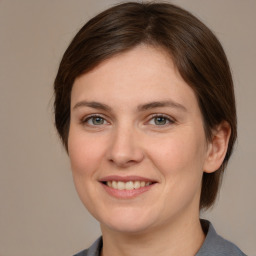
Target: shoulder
[(82, 253), (93, 250), (215, 245)]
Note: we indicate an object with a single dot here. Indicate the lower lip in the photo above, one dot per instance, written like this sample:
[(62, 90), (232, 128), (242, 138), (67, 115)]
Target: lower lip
[(126, 194)]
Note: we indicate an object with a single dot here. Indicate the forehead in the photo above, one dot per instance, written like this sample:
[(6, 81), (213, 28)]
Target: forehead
[(144, 73)]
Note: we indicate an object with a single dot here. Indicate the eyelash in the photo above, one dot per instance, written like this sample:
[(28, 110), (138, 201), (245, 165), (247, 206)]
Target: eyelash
[(152, 117), (167, 118), (86, 120)]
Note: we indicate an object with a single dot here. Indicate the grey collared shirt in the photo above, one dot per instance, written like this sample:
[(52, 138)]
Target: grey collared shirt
[(214, 245)]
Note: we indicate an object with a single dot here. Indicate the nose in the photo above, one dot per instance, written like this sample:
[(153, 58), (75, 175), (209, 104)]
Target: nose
[(125, 149)]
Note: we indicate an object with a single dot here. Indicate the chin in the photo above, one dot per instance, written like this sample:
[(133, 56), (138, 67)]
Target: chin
[(129, 222), (128, 227)]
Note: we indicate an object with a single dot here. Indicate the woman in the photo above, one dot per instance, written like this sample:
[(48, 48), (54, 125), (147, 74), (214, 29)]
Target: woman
[(145, 107)]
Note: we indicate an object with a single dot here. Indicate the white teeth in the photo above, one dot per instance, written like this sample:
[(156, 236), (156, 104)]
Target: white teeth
[(120, 185), (114, 184), (130, 185), (136, 184)]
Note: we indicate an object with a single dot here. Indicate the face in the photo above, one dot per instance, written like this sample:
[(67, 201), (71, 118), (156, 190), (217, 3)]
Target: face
[(136, 142)]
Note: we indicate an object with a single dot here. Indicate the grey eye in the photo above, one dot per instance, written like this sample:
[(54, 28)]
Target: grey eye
[(95, 120), (160, 120)]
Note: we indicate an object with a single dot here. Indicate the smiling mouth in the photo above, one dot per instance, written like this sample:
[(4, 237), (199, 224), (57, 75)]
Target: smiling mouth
[(129, 185)]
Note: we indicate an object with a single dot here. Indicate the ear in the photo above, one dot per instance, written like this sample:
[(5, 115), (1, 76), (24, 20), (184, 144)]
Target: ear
[(217, 147)]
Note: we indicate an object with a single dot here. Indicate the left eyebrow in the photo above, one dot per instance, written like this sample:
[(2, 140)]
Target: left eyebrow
[(158, 104)]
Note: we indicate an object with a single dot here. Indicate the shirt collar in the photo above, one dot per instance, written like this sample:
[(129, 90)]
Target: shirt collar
[(211, 243)]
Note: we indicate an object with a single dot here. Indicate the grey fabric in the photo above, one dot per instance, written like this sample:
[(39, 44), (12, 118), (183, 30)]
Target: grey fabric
[(94, 250), (214, 245)]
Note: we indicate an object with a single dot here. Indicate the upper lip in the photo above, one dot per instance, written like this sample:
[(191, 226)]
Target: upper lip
[(125, 178)]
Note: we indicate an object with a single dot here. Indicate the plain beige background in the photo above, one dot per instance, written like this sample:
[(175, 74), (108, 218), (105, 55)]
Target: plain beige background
[(40, 213)]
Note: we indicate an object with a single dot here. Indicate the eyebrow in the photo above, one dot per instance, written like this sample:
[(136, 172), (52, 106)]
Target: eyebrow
[(159, 104), (92, 104), (140, 108)]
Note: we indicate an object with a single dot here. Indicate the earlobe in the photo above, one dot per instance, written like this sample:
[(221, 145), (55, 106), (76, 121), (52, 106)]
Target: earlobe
[(217, 147)]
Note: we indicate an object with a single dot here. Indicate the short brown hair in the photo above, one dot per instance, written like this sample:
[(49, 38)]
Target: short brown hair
[(195, 50)]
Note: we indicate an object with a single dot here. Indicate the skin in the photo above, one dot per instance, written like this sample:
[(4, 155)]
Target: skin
[(127, 140)]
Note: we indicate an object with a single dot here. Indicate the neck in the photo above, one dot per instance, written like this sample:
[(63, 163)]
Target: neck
[(182, 238)]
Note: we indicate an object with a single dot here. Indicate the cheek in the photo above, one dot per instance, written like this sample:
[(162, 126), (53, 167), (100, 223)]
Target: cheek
[(85, 157), (84, 152), (180, 160)]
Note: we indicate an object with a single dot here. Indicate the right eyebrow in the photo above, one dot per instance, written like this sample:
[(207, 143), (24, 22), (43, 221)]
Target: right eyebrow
[(92, 104)]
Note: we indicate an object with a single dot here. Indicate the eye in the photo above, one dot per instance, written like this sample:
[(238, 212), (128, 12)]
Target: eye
[(94, 120), (160, 120)]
